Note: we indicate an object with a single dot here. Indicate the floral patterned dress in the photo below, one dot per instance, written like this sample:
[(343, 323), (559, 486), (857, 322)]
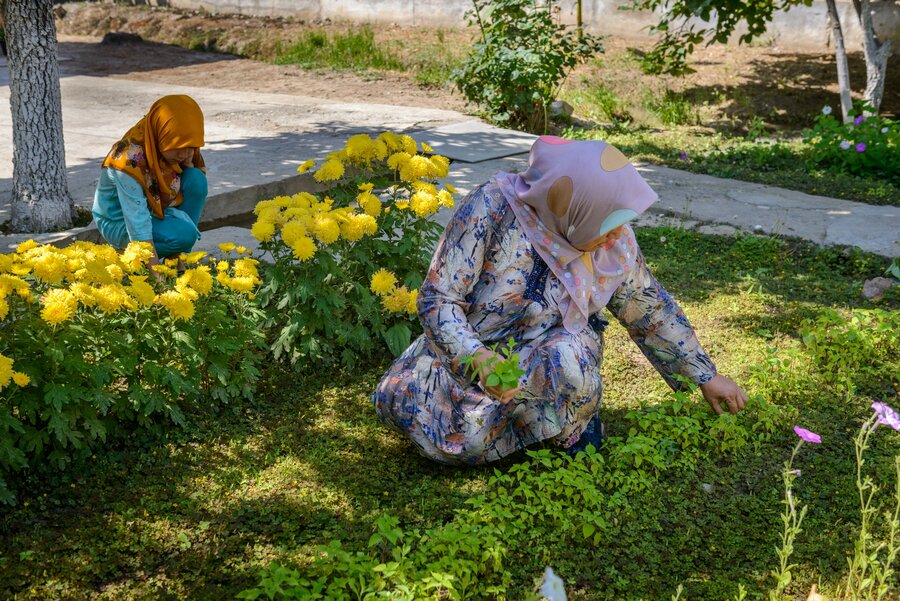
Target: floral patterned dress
[(487, 284)]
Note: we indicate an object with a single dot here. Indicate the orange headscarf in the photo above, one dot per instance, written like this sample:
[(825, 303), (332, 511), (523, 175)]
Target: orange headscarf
[(172, 123)]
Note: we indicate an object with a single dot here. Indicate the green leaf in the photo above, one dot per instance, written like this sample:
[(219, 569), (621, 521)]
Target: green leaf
[(398, 338)]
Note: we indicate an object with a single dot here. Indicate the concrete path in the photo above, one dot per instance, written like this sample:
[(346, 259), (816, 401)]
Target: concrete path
[(255, 141)]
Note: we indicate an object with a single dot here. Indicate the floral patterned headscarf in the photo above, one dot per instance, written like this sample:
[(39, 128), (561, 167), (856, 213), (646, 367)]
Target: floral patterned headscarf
[(172, 123), (572, 194)]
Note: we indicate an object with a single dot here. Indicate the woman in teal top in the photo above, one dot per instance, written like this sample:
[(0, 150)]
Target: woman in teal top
[(153, 183)]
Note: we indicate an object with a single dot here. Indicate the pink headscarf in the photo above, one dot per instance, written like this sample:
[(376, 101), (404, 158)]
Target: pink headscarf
[(571, 194)]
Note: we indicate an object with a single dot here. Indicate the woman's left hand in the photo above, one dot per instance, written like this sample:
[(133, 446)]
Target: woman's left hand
[(721, 390)]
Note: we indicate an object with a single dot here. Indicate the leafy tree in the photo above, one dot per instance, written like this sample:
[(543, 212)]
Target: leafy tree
[(41, 199), (515, 70), (681, 33)]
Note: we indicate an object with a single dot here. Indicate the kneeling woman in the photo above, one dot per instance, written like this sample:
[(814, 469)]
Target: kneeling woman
[(153, 183), (536, 256)]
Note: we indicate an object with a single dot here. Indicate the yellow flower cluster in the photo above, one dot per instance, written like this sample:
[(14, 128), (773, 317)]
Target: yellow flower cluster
[(98, 277), (399, 153), (303, 221), (394, 299), (7, 374)]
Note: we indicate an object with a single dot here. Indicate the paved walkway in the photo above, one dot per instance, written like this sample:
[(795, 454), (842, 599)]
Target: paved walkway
[(255, 142)]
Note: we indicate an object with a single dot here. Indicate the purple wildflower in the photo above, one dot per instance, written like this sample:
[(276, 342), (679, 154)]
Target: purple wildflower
[(683, 155), (886, 415), (807, 435), (861, 147), (859, 120)]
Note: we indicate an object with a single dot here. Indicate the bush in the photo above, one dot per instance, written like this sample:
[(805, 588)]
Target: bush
[(514, 72), (870, 146), (347, 265), (90, 348)]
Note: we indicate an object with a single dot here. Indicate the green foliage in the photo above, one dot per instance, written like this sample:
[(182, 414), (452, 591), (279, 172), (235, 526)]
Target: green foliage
[(353, 50), (783, 163), (503, 372), (320, 307), (680, 36), (515, 70), (869, 146), (858, 353), (671, 109)]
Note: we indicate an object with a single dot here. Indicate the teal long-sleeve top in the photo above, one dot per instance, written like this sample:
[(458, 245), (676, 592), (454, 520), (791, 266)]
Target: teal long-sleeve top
[(119, 197)]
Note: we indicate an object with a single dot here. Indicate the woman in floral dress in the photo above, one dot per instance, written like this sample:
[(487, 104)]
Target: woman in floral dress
[(536, 257)]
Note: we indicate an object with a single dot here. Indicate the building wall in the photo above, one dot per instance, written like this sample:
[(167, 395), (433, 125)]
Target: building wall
[(804, 27)]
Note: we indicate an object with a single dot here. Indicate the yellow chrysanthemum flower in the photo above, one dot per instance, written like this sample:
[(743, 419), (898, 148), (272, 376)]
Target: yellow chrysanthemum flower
[(6, 371), (263, 231), (165, 270), (8, 283), (243, 284), (50, 268), (411, 307), (6, 263), (56, 313), (426, 148), (445, 199), (304, 248), (179, 305), (391, 140), (84, 293), (400, 204), (223, 266), (193, 257), (246, 268), (450, 189), (423, 204), (293, 231), (409, 145), (441, 165), (4, 308), (110, 298), (397, 160), (332, 170), (20, 379), (305, 166), (369, 203), (141, 290), (416, 168), (397, 301), (115, 272), (227, 247), (366, 187), (326, 229), (136, 255), (24, 247), (198, 279), (383, 282)]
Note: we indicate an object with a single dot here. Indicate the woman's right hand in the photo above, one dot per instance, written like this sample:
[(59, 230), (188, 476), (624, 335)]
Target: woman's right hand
[(483, 359)]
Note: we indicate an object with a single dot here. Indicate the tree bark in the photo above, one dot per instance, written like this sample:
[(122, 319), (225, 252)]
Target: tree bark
[(41, 201), (876, 53), (840, 55)]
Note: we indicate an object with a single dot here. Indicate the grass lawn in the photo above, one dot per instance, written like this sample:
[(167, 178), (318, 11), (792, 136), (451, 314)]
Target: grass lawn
[(198, 514)]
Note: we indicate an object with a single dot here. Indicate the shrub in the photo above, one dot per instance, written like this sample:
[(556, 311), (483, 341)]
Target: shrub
[(515, 70), (347, 265), (92, 346), (870, 146)]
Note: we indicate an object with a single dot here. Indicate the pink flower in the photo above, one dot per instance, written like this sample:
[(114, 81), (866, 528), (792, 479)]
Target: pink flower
[(807, 435), (886, 415)]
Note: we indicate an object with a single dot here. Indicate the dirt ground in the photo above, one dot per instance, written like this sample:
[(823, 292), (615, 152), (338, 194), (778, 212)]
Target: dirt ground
[(734, 84)]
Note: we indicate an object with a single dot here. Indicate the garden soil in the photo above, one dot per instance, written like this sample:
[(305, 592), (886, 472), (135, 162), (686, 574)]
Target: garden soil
[(735, 83)]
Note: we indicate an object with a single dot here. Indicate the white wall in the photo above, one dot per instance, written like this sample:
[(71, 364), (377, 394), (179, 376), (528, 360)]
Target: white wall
[(802, 27)]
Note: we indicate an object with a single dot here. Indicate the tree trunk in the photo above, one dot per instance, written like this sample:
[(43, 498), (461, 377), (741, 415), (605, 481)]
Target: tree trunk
[(876, 53), (41, 201), (840, 55)]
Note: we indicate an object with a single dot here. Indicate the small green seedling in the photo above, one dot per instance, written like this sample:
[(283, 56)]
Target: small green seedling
[(504, 373)]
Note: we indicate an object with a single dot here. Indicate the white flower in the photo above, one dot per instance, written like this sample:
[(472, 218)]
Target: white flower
[(884, 130), (662, 239), (826, 110), (552, 587), (845, 145)]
